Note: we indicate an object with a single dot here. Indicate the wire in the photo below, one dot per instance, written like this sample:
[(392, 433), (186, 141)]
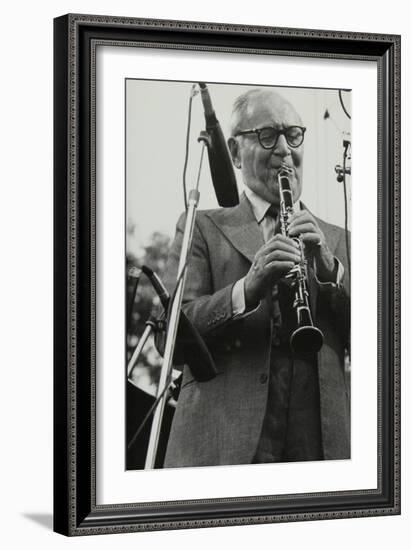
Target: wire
[(346, 210), (342, 104), (187, 146), (150, 411)]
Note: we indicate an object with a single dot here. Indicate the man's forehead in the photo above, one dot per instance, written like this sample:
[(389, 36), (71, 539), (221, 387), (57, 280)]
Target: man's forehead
[(270, 108)]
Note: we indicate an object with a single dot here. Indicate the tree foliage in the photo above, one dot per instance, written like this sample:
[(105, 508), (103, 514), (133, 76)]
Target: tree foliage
[(154, 255)]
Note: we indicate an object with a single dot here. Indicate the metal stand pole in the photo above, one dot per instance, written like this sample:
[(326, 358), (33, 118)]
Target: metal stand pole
[(138, 349), (194, 197)]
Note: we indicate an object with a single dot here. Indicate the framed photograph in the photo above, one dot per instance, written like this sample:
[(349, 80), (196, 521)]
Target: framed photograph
[(227, 274)]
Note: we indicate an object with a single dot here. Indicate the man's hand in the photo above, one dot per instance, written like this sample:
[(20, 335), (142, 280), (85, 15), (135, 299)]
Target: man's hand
[(272, 261), (304, 226)]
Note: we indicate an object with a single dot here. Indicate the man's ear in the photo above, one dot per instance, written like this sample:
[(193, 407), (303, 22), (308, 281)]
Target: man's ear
[(234, 151)]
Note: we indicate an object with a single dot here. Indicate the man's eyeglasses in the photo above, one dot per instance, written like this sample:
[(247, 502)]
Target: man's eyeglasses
[(268, 137)]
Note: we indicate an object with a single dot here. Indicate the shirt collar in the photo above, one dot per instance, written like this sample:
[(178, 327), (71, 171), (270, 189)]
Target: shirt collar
[(260, 205)]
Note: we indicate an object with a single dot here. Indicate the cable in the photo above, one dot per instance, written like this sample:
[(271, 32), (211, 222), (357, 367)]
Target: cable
[(151, 409), (170, 305), (346, 210), (342, 104), (187, 146)]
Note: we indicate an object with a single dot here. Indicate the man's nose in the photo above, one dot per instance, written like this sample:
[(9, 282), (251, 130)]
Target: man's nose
[(282, 149)]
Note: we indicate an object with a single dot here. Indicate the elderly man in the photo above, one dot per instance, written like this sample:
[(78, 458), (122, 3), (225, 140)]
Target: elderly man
[(268, 403)]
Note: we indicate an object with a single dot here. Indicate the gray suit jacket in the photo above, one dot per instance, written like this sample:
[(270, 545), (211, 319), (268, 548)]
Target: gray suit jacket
[(220, 421)]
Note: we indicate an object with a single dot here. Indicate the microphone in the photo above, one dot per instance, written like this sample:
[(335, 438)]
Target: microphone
[(190, 346), (221, 167)]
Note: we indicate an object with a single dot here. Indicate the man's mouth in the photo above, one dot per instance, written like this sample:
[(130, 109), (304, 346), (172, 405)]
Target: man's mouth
[(276, 169), (279, 167)]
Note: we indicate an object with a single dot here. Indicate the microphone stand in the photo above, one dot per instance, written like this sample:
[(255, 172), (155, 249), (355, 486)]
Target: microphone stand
[(134, 274), (174, 316), (151, 324)]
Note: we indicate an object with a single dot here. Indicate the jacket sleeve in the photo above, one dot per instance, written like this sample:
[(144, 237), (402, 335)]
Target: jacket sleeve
[(334, 300), (207, 308)]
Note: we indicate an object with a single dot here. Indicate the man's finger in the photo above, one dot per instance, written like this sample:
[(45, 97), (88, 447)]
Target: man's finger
[(280, 267), (280, 242), (283, 256), (281, 249), (300, 228), (311, 238), (301, 215)]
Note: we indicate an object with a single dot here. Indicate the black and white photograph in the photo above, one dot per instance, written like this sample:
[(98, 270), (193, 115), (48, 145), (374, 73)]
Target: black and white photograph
[(204, 234), (227, 275), (238, 268)]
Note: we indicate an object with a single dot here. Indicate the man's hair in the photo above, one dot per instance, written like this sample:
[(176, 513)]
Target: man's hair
[(242, 106)]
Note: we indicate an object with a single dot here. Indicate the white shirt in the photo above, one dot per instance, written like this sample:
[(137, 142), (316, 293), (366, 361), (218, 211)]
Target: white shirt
[(267, 226)]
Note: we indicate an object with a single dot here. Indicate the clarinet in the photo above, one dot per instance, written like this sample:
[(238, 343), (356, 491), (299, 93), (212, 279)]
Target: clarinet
[(306, 338)]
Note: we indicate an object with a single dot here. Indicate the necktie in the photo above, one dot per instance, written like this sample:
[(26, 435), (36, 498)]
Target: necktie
[(272, 215)]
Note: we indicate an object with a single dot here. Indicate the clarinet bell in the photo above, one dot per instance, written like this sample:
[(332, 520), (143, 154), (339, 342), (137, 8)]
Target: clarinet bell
[(306, 340)]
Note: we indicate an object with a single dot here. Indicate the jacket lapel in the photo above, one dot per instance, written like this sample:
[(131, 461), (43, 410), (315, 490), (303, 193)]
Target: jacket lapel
[(331, 232), (240, 227)]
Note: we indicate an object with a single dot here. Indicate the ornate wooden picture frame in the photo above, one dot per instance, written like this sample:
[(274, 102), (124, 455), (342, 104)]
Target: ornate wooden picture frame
[(76, 41)]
